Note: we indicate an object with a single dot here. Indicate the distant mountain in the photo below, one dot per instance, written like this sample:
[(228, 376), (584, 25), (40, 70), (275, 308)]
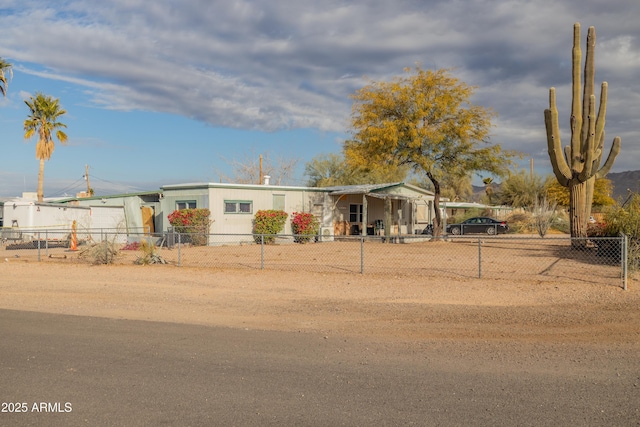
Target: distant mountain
[(623, 182)]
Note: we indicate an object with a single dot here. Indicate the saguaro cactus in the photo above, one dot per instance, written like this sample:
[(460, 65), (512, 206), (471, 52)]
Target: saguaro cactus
[(578, 165)]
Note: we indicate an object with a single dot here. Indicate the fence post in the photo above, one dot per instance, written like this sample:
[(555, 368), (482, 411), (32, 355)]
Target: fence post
[(262, 252), (38, 246), (625, 259), (179, 245), (361, 254), (46, 242), (479, 258)]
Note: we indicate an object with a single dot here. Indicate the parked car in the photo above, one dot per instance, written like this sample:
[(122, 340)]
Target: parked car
[(477, 225)]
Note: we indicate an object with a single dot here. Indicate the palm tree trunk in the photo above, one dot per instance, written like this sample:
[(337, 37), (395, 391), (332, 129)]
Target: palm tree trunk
[(41, 181)]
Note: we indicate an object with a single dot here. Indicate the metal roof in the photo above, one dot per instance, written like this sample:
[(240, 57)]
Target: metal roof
[(374, 190)]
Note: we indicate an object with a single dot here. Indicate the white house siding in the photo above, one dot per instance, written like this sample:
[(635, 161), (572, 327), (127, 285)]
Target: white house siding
[(32, 215), (42, 220), (261, 197), (108, 221), (171, 198)]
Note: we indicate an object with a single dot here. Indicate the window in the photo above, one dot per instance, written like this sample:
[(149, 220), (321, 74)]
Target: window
[(278, 202), (238, 206), (189, 204), (355, 213)]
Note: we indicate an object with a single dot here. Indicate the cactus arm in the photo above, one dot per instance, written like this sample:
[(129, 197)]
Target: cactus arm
[(589, 79), (589, 149), (576, 105), (613, 153), (567, 152), (600, 121), (602, 113), (597, 155), (554, 144)]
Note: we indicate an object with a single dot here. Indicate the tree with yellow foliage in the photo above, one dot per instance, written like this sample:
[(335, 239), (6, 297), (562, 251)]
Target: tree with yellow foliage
[(426, 121), (603, 188)]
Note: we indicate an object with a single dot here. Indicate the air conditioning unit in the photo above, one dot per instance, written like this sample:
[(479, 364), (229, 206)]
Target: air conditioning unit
[(326, 234)]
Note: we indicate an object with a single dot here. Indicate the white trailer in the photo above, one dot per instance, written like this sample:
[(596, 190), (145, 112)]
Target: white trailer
[(32, 220)]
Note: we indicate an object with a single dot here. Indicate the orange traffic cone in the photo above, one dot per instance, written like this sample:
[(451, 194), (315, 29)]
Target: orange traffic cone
[(74, 237)]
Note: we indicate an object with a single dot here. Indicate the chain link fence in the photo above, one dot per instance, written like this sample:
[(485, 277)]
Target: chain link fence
[(601, 260)]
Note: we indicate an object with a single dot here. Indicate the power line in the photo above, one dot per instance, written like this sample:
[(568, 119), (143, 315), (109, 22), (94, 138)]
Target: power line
[(68, 188)]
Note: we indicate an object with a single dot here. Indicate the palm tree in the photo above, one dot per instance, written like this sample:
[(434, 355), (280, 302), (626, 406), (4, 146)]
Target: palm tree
[(488, 189), (45, 112), (5, 68)]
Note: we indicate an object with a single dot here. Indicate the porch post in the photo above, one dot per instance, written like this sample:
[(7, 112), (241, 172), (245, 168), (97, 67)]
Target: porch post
[(387, 219), (363, 229), (400, 217)]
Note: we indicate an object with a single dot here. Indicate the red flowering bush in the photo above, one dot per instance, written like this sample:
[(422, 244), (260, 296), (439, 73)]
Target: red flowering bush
[(133, 246), (194, 223), (267, 223), (304, 226), (598, 229)]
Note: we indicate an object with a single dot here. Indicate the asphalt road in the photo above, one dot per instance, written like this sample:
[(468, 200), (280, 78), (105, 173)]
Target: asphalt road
[(71, 371)]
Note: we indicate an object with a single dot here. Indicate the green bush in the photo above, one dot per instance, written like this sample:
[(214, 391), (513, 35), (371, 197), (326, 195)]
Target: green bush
[(268, 223), (625, 219), (304, 226)]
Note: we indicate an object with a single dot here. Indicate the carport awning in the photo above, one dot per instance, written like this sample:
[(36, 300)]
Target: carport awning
[(376, 195)]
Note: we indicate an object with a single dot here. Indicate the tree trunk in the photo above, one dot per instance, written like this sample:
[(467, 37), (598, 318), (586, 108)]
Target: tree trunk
[(41, 181), (577, 211), (437, 222)]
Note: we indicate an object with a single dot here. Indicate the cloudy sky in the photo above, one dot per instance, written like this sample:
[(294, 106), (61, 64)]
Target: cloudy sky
[(167, 91)]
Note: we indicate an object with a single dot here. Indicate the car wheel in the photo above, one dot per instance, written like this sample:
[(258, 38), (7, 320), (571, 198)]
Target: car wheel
[(455, 230), (491, 231)]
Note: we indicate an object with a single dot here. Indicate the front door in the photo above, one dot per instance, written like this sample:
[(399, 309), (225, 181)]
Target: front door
[(147, 219)]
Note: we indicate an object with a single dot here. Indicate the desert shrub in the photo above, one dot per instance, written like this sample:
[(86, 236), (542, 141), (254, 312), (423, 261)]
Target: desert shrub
[(104, 252), (625, 219), (268, 223), (304, 226), (149, 254), (544, 213), (519, 222), (561, 222), (193, 223)]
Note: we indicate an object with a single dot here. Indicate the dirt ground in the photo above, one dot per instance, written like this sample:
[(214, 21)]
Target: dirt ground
[(457, 350), (405, 307)]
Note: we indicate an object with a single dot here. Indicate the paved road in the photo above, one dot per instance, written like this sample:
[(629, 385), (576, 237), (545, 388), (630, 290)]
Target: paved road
[(73, 371)]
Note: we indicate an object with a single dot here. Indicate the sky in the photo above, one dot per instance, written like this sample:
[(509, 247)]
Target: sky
[(166, 91)]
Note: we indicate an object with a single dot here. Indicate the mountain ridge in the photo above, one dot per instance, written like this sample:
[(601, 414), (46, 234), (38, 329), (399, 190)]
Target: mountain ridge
[(623, 183)]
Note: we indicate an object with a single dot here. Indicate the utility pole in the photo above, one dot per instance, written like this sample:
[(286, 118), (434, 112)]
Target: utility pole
[(260, 173), (86, 178), (531, 168)]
